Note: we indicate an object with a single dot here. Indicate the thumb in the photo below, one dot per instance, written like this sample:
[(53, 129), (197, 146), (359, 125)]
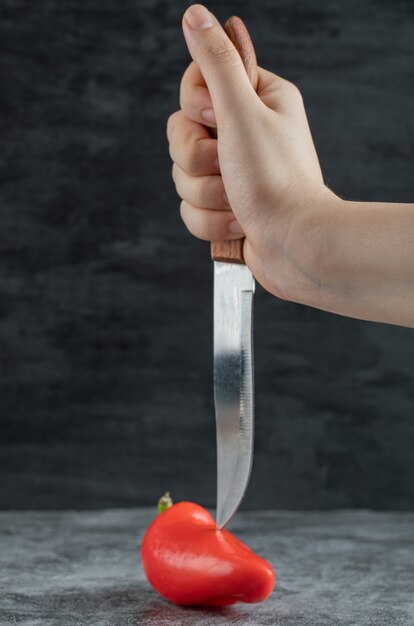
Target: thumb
[(219, 62)]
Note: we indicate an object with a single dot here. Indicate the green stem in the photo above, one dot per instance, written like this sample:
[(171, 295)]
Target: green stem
[(165, 502)]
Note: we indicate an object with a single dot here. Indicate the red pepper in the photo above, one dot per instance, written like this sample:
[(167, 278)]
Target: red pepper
[(189, 561)]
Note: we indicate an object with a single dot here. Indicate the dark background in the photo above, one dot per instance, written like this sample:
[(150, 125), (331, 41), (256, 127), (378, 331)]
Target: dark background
[(105, 300)]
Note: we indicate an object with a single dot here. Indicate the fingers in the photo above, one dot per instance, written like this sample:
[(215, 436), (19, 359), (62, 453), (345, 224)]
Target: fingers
[(202, 191), (195, 99), (191, 146), (210, 225), (205, 209), (275, 92), (220, 64)]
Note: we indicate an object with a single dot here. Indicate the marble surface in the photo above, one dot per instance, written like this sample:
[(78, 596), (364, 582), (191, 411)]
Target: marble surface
[(345, 568)]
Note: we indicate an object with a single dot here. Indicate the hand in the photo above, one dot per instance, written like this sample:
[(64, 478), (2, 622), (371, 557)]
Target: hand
[(302, 243), (267, 180)]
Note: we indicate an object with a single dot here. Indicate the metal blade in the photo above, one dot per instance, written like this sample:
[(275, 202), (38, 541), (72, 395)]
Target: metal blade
[(233, 384)]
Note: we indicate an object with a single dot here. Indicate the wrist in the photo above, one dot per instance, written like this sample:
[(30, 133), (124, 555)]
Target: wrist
[(310, 237)]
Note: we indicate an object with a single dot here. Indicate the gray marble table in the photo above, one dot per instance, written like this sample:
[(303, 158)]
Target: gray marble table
[(342, 568)]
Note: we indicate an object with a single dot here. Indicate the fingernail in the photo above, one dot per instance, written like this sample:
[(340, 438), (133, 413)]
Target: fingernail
[(198, 17), (208, 115), (235, 228)]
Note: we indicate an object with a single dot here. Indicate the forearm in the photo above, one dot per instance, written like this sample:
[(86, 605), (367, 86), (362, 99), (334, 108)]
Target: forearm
[(364, 265)]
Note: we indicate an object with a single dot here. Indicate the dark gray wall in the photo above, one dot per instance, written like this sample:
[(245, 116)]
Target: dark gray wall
[(105, 300)]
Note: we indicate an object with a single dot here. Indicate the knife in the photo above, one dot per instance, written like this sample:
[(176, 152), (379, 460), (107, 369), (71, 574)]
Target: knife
[(233, 351)]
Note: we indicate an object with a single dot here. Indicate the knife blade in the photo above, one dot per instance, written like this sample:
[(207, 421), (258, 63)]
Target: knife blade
[(233, 384), (233, 346)]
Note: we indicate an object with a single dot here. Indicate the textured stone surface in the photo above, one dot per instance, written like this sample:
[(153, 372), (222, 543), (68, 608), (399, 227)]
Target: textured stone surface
[(345, 568), (105, 300)]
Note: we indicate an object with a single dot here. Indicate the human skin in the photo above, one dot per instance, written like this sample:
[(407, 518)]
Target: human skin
[(261, 180)]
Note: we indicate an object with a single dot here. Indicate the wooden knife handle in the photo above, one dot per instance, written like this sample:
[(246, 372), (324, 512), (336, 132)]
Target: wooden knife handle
[(232, 251)]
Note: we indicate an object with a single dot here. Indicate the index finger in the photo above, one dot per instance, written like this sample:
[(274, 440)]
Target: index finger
[(194, 96)]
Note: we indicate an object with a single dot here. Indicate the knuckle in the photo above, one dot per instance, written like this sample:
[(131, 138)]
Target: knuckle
[(171, 150), (188, 104), (186, 217), (173, 173), (187, 86), (221, 52), (292, 91), (186, 78), (179, 188), (171, 123), (184, 99), (183, 212)]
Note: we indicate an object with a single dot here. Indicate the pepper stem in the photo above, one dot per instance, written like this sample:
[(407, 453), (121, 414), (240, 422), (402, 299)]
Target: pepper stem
[(165, 502)]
